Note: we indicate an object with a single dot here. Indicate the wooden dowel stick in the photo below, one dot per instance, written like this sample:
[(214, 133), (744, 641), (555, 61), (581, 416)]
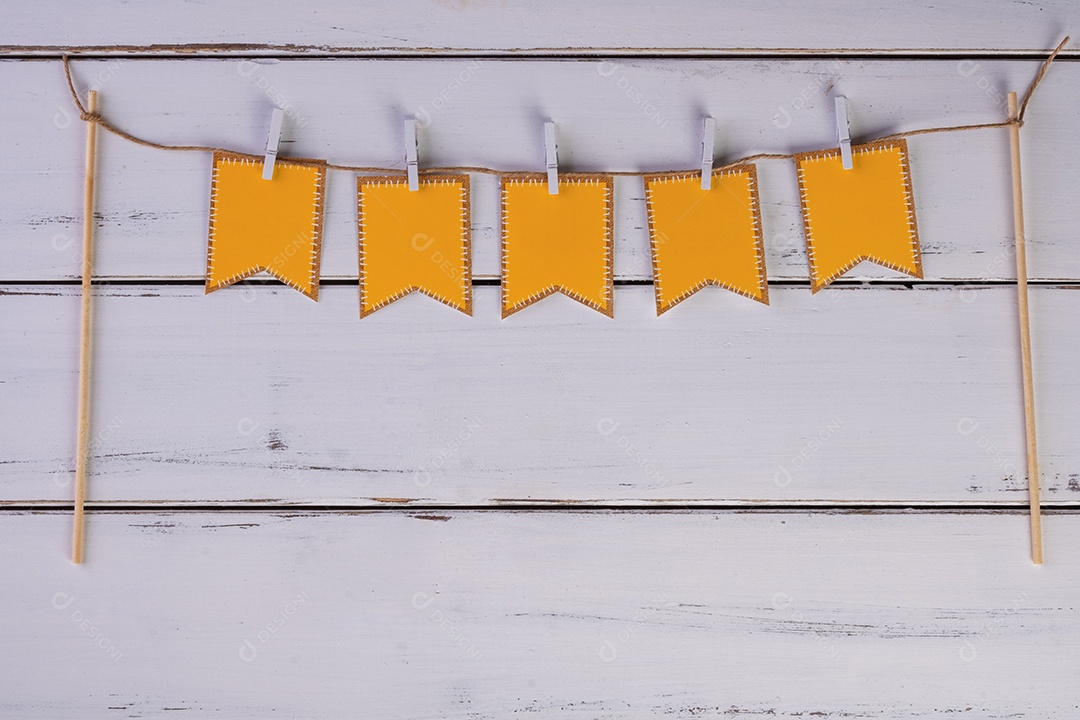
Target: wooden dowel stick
[(84, 340), (1025, 339)]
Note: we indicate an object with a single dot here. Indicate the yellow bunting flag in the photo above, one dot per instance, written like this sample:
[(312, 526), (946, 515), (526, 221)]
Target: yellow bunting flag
[(705, 237), (272, 225), (866, 213), (556, 243), (414, 241)]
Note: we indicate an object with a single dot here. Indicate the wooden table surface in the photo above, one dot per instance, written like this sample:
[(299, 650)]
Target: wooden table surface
[(811, 509)]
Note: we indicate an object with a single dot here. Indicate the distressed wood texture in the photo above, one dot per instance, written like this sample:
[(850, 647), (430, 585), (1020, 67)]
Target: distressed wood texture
[(256, 394), (812, 509), (520, 26), (629, 115), (555, 615)]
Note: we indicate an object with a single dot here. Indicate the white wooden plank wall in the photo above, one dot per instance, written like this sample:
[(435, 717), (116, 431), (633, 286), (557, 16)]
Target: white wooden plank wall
[(811, 509)]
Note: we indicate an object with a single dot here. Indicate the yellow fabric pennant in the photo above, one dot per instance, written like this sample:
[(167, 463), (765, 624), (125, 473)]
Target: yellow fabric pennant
[(866, 213), (557, 243), (705, 237), (414, 241), (265, 225)]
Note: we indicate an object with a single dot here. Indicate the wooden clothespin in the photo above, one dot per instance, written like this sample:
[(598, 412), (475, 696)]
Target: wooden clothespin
[(707, 147), (412, 167), (551, 150), (273, 138), (843, 132)]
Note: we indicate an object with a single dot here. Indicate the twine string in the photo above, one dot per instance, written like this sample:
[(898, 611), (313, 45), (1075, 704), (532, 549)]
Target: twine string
[(1038, 79), (97, 118)]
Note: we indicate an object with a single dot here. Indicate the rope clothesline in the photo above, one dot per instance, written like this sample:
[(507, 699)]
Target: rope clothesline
[(88, 113), (100, 121)]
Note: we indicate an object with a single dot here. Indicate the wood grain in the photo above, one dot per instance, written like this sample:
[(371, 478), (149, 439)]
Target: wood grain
[(256, 394), (448, 573), (560, 615), (514, 27), (630, 115)]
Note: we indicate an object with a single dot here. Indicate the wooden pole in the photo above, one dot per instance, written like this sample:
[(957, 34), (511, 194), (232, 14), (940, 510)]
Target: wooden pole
[(84, 340), (1025, 339)]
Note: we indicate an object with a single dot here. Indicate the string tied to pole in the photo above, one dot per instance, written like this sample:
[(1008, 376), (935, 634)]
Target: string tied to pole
[(102, 122)]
